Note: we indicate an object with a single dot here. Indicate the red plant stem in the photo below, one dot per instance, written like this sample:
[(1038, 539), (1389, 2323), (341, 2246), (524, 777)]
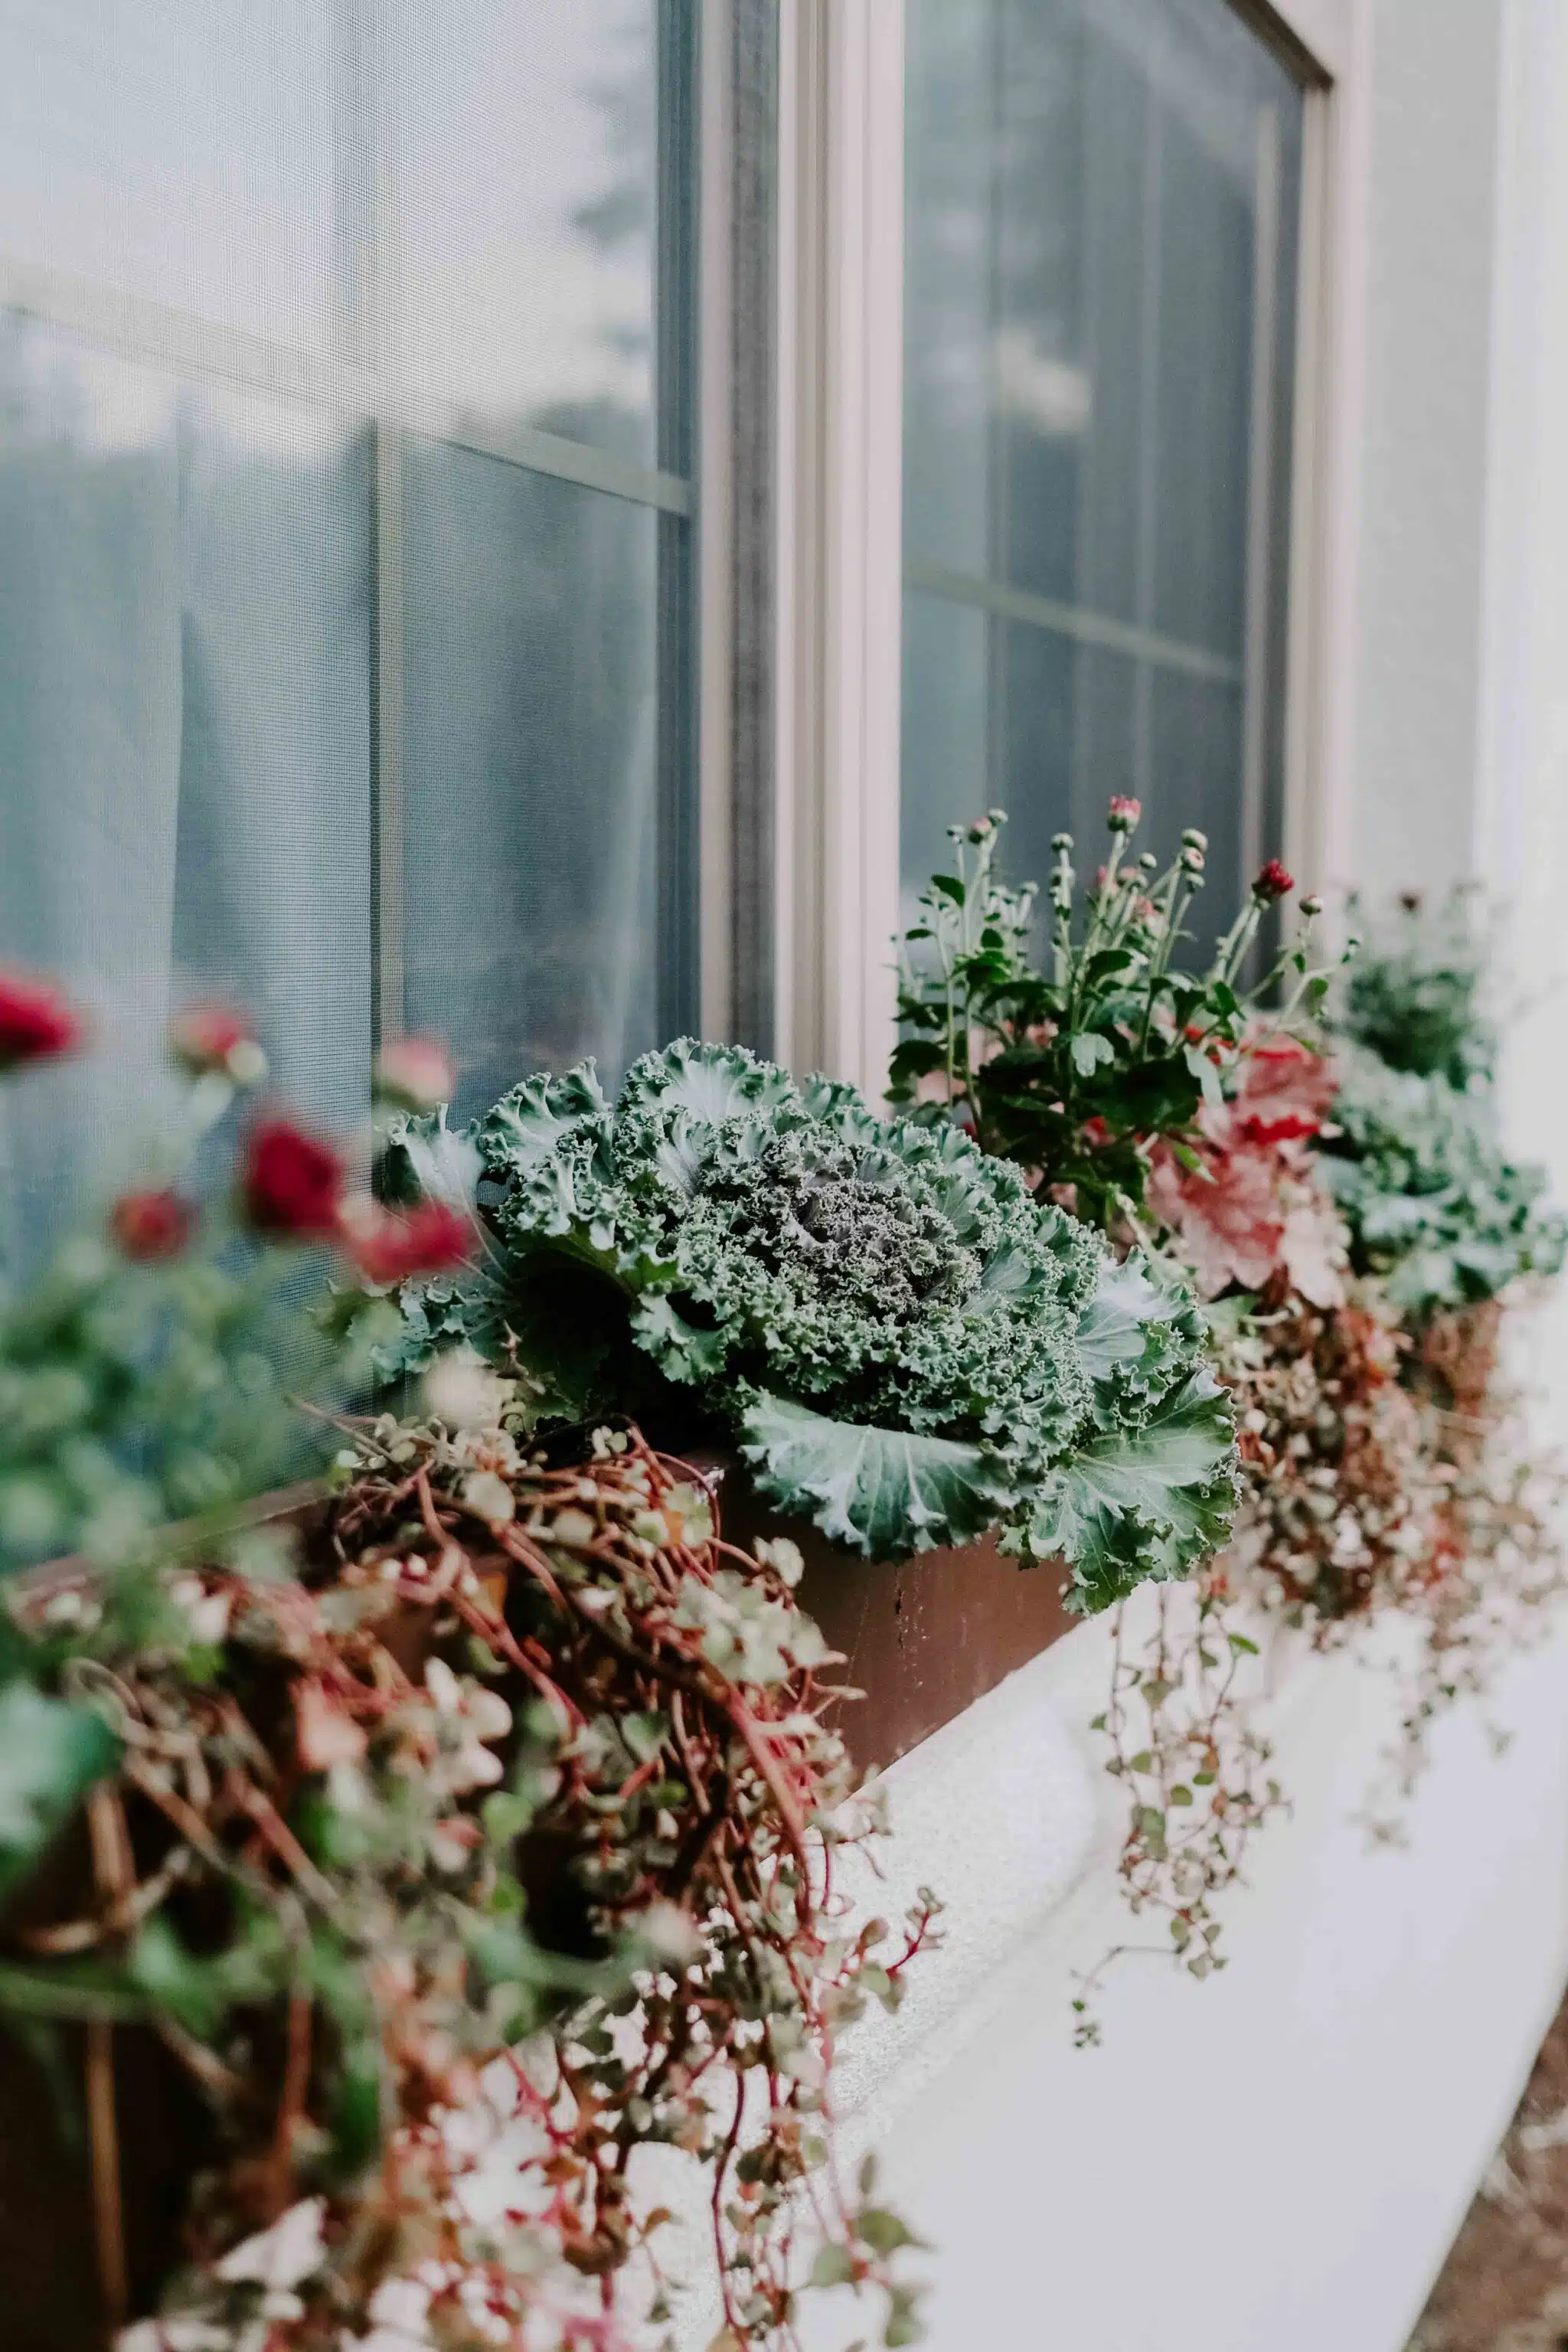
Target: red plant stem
[(107, 2215), (291, 2105)]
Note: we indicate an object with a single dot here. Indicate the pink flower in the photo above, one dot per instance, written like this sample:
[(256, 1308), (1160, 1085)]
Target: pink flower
[(36, 1023), (414, 1073), (1272, 881), (1251, 1211), (210, 1041), (1123, 813), (147, 1227), (290, 1184), (387, 1247), (1285, 1092)]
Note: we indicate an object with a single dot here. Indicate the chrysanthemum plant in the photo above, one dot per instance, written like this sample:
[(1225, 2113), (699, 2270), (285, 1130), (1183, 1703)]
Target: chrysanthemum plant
[(907, 1346), (1074, 1057)]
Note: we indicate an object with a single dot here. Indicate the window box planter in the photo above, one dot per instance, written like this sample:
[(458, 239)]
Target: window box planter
[(924, 1637)]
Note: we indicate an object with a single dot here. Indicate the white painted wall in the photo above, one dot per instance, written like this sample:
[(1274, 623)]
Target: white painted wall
[(1275, 2160), (1429, 222)]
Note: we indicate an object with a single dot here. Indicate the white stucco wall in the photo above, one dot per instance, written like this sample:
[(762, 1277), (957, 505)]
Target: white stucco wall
[(1275, 2160), (1429, 219)]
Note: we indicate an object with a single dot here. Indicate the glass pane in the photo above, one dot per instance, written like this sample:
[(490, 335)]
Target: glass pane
[(182, 149), (534, 859), (945, 732), (1101, 221), (525, 138), (183, 708), (1034, 706), (1196, 725)]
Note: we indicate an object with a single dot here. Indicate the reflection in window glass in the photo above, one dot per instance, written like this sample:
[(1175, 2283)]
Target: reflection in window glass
[(183, 665), (1100, 224), (183, 150), (531, 762), (299, 705), (526, 147)]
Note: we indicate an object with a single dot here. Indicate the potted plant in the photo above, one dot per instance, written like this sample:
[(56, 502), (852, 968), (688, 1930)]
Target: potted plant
[(905, 1350)]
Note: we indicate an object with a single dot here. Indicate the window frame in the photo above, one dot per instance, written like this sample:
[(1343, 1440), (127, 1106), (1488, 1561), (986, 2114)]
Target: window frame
[(838, 569)]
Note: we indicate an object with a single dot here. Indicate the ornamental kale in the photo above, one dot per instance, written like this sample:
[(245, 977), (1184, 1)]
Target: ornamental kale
[(1417, 994), (904, 1344), (1431, 1200), (1416, 1159)]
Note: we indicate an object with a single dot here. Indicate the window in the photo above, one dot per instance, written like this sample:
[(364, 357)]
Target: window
[(1102, 217), (346, 574)]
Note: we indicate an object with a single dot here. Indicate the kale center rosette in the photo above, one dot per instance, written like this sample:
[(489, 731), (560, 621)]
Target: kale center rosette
[(902, 1341)]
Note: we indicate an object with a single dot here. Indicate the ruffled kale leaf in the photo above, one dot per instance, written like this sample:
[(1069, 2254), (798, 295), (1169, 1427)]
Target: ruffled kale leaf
[(879, 1491), (906, 1344), (1143, 1501)]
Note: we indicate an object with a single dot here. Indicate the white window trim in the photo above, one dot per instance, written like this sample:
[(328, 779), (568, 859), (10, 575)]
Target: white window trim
[(839, 596), (839, 507), (1326, 493), (715, 524)]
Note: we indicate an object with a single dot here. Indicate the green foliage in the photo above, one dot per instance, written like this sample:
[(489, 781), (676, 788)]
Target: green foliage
[(1073, 1069), (1432, 1202), (136, 1394), (905, 1343), (51, 1752), (1414, 1160), (1416, 994)]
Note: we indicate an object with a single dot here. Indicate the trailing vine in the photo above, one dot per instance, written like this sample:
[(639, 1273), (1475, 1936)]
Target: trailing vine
[(1347, 1206), (497, 1830)]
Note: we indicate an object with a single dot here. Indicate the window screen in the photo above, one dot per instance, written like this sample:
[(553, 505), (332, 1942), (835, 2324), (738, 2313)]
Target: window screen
[(345, 498), (1102, 200)]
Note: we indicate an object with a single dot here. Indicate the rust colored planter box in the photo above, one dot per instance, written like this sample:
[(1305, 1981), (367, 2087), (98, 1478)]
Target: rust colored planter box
[(924, 1637)]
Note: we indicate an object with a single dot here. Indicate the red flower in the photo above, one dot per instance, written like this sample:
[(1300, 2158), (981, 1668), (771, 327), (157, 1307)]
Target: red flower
[(429, 1239), (35, 1022), (1272, 881), (1284, 1093), (146, 1226), (415, 1073), (208, 1040), (1124, 813), (291, 1183)]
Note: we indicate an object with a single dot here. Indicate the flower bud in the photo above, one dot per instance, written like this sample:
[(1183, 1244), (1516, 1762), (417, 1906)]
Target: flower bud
[(36, 1023), (413, 1074), (1194, 839), (1312, 906), (210, 1041), (1271, 882), (290, 1185), (1062, 844), (147, 1227), (1192, 860), (1123, 813), (388, 1248)]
